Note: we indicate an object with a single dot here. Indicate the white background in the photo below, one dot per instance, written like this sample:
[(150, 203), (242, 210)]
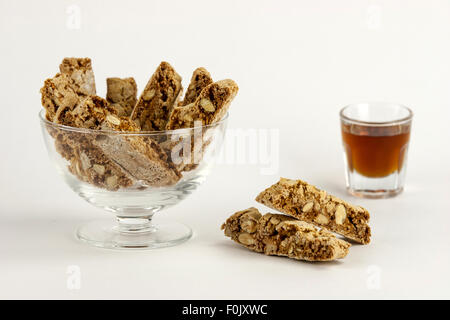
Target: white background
[(297, 63)]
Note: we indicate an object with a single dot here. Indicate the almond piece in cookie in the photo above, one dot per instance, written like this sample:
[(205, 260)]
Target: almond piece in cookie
[(158, 98)]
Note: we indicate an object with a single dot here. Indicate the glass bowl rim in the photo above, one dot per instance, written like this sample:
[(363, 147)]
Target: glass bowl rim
[(403, 120), (43, 119)]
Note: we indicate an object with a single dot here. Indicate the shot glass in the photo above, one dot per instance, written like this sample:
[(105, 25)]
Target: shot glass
[(375, 138)]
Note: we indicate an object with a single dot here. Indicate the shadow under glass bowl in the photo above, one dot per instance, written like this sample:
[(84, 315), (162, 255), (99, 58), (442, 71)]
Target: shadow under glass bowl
[(134, 176)]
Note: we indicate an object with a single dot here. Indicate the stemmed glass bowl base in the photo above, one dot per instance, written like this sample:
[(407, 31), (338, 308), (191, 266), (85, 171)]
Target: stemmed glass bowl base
[(113, 235)]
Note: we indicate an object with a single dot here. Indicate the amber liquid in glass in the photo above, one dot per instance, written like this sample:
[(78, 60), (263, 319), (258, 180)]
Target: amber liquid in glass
[(375, 152)]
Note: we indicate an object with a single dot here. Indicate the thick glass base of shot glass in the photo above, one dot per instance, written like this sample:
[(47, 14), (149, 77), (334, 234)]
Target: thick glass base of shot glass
[(133, 233), (374, 194), (374, 188)]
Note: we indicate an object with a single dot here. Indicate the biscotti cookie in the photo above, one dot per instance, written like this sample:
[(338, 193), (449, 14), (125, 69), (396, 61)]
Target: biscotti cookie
[(58, 92), (308, 203), (140, 156), (158, 98), (66, 89), (88, 113), (122, 95), (79, 70), (91, 165), (209, 107), (199, 80), (280, 235)]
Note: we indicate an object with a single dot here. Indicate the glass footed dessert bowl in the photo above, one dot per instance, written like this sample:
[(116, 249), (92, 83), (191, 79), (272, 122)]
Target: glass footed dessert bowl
[(134, 175)]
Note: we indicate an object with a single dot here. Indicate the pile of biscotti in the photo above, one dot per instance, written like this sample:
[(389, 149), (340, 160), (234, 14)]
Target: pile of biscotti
[(113, 161), (296, 235)]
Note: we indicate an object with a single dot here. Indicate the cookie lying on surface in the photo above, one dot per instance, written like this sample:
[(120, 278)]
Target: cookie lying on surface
[(122, 95), (280, 235), (310, 204), (158, 98)]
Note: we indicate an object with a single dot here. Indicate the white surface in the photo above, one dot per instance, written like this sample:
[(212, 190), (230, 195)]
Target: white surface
[(297, 63)]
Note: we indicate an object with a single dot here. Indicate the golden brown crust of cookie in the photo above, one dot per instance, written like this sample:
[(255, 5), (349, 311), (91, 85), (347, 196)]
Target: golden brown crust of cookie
[(80, 72), (308, 203), (209, 107), (122, 95), (57, 93), (158, 98), (280, 235), (200, 79)]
